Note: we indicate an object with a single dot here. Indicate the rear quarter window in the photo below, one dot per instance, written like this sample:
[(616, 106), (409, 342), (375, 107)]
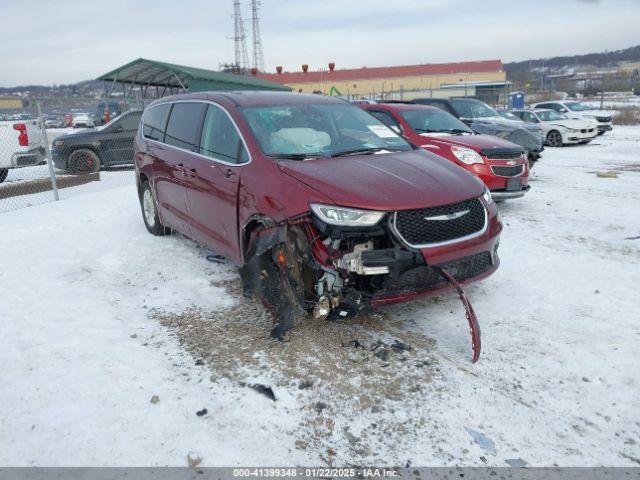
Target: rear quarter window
[(154, 121)]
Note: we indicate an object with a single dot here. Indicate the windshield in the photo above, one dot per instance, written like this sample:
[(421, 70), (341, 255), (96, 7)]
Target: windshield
[(425, 121), (320, 130), (510, 116), (577, 106), (472, 109), (550, 115)]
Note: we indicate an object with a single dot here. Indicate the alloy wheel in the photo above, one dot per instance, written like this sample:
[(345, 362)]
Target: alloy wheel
[(554, 139), (149, 208)]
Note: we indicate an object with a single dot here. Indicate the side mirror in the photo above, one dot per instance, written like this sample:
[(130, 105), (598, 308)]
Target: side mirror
[(563, 110)]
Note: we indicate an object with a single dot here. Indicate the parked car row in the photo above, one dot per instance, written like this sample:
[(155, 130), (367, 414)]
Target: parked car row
[(563, 122), (483, 119)]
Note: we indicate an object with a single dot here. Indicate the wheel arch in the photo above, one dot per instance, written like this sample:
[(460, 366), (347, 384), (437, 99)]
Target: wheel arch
[(251, 242)]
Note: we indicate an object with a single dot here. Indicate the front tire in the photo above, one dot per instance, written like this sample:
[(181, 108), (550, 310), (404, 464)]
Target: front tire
[(150, 211), (3, 174), (554, 138), (83, 161)]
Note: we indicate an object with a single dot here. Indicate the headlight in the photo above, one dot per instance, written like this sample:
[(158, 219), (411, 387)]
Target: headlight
[(487, 196), (346, 217), (466, 155), (570, 130), (58, 143)]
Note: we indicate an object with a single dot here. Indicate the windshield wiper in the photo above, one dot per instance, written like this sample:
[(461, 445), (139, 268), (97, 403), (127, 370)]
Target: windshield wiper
[(457, 130), (358, 151), (368, 151), (293, 156), (446, 130)]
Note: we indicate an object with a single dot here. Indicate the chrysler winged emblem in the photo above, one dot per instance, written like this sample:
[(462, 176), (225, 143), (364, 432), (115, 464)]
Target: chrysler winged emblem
[(448, 216)]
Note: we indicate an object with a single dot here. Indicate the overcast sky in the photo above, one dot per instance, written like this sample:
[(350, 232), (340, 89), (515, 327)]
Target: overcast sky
[(45, 41)]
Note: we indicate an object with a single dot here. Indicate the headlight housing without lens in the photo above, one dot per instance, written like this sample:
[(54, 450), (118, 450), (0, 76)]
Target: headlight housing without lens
[(466, 155), (346, 217)]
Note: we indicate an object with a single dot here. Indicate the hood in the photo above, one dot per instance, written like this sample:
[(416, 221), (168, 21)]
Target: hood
[(528, 139), (475, 142), (387, 181), (84, 135), (507, 123)]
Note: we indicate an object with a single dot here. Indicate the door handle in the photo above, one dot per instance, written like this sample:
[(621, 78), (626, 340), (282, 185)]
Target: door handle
[(228, 173)]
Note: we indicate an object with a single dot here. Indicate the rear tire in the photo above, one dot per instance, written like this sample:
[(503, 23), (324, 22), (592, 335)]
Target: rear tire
[(83, 161), (3, 174), (150, 211), (554, 138)]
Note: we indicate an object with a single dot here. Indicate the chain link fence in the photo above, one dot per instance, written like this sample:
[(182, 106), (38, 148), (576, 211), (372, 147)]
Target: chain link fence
[(52, 154)]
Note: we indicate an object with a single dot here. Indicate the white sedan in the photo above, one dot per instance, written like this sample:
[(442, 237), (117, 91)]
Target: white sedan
[(559, 129), (579, 110)]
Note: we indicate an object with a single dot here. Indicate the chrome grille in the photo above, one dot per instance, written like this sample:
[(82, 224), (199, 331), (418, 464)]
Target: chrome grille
[(444, 224)]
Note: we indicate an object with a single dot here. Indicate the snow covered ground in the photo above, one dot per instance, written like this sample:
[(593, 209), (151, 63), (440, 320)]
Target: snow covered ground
[(97, 317)]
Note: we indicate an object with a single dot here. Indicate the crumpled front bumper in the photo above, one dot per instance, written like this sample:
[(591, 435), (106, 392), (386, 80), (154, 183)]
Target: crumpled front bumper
[(468, 261)]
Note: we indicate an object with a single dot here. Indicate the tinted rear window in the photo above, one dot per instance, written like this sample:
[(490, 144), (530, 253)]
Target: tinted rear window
[(185, 122), (154, 121)]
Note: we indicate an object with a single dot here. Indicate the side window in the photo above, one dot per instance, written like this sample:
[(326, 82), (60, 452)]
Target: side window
[(130, 121), (154, 121), (220, 139), (385, 117), (529, 117), (555, 106), (183, 127)]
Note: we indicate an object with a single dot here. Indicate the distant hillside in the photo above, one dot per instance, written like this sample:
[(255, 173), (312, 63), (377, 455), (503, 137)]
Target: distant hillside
[(522, 71), (87, 88)]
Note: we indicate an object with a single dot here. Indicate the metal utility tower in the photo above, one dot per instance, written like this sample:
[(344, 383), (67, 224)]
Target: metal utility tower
[(239, 38), (258, 58)]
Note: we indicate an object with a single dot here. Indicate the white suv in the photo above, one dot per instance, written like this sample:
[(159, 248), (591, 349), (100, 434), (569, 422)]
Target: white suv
[(579, 110)]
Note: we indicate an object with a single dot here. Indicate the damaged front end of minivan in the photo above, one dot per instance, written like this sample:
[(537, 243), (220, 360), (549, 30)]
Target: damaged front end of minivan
[(337, 262)]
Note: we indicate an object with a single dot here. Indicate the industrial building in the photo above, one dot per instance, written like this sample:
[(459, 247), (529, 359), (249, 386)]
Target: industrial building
[(483, 79)]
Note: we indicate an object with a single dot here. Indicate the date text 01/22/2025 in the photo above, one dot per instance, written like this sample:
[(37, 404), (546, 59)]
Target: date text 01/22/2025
[(316, 472)]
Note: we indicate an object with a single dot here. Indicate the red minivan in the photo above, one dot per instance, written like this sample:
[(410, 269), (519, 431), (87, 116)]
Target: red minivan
[(500, 164), (324, 207)]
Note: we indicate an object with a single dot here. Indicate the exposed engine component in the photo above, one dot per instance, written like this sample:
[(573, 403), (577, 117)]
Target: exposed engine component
[(352, 262)]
